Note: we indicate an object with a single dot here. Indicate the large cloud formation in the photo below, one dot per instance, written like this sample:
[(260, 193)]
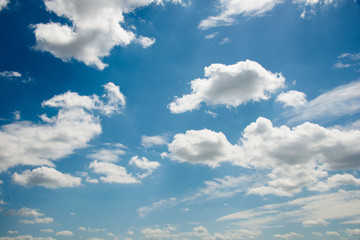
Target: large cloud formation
[(96, 27), (229, 85)]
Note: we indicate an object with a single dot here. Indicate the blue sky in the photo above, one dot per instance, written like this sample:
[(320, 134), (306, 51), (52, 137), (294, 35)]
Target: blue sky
[(175, 119)]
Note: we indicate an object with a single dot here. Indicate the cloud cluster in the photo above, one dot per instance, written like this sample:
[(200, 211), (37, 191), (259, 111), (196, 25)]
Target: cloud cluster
[(297, 157), (113, 173), (96, 28), (230, 9), (229, 85), (292, 98), (150, 141), (3, 4)]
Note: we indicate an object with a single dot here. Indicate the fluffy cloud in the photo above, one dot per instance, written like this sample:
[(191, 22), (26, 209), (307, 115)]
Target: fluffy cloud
[(64, 233), (288, 236), (46, 177), (292, 98), (315, 222), (27, 212), (96, 28), (341, 101), (150, 141), (163, 203), (89, 229), (353, 232), (328, 207), (230, 9), (13, 75), (26, 237), (144, 164), (297, 157), (202, 147), (229, 85), (3, 4), (107, 155), (44, 220), (27, 143), (332, 233), (113, 173)]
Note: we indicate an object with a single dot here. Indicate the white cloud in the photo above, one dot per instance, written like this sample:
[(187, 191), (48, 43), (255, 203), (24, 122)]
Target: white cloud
[(47, 230), (144, 164), (17, 115), (163, 203), (335, 181), (46, 177), (26, 237), (64, 233), (150, 141), (348, 60), (13, 75), (288, 235), (107, 155), (341, 101), (315, 222), (26, 212), (96, 28), (27, 143), (3, 4), (202, 147), (113, 173), (353, 232), (12, 232), (211, 36), (229, 85), (317, 234), (332, 233), (230, 9), (44, 220), (331, 206), (225, 41), (89, 229), (292, 98)]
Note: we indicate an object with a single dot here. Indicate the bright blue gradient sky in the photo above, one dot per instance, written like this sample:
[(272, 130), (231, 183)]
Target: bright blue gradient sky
[(171, 119)]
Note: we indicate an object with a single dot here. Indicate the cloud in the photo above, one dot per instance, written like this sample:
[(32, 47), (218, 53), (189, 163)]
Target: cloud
[(353, 232), (89, 229), (340, 101), (315, 222), (347, 60), (64, 233), (288, 235), (163, 203), (44, 220), (107, 155), (144, 164), (46, 177), (292, 98), (12, 232), (26, 237), (229, 10), (27, 212), (202, 147), (47, 230), (329, 207), (332, 233), (229, 85), (335, 181), (211, 36), (225, 41), (27, 143), (3, 4), (15, 76), (95, 29), (150, 141), (113, 173)]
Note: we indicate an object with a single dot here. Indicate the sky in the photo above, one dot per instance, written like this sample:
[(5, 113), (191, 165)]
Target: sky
[(179, 119)]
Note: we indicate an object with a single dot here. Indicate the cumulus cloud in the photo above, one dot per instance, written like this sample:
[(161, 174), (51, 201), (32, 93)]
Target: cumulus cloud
[(113, 173), (288, 236), (297, 157), (230, 9), (163, 203), (28, 143), (328, 207), (107, 155), (26, 237), (229, 85), (332, 233), (340, 101), (335, 181), (353, 232), (46, 177), (64, 233), (27, 212), (44, 220), (13, 75), (150, 141), (95, 29), (315, 222), (292, 98), (144, 164)]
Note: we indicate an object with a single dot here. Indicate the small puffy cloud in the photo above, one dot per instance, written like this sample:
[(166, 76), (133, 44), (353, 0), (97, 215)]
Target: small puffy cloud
[(89, 229), (17, 115), (64, 233), (12, 232), (340, 101), (15, 76), (353, 232), (107, 155), (348, 60), (26, 212), (315, 222), (292, 98), (163, 203), (225, 41), (332, 233), (46, 177), (47, 230), (288, 236), (28, 143), (3, 4), (150, 141), (95, 29), (202, 147), (317, 234), (44, 220), (335, 181), (211, 36), (113, 173), (229, 85), (144, 164)]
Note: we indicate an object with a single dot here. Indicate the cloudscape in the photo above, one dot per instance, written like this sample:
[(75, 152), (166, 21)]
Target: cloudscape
[(179, 119)]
